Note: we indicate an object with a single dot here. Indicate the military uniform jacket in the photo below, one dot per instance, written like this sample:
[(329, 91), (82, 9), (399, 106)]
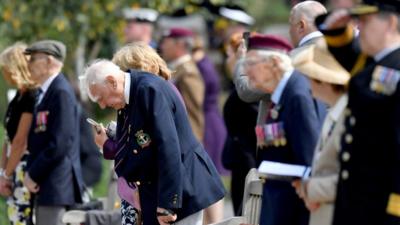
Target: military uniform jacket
[(161, 155), (298, 122), (190, 84), (369, 180), (53, 143)]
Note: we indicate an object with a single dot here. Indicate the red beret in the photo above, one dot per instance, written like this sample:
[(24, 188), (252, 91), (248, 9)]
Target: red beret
[(178, 32), (269, 42)]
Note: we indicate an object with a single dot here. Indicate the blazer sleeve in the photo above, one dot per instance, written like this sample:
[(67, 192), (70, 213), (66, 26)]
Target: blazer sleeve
[(344, 45), (322, 189), (303, 128), (392, 209), (61, 128), (245, 91), (160, 112)]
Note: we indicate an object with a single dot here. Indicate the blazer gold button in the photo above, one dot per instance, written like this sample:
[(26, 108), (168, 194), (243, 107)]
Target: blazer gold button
[(345, 174), (352, 121), (135, 151), (348, 138), (137, 183), (347, 112), (345, 156)]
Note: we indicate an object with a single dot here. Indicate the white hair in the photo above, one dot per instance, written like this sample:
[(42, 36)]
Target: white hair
[(96, 73), (286, 62)]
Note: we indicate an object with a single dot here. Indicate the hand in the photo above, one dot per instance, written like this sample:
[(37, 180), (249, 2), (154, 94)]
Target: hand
[(241, 50), (298, 186), (337, 19), (312, 206), (167, 219), (100, 136), (30, 184), (5, 187)]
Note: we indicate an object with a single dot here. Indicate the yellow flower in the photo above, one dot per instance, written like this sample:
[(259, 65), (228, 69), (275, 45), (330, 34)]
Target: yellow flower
[(27, 211), (110, 7), (16, 23), (7, 14)]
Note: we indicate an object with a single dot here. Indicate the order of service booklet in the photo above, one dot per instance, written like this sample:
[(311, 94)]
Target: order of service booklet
[(283, 171)]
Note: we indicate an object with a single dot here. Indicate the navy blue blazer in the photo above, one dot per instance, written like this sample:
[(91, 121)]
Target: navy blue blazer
[(302, 118), (161, 155), (53, 144)]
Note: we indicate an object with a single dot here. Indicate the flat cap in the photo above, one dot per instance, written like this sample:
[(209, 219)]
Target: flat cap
[(50, 47), (178, 32), (269, 42), (144, 15)]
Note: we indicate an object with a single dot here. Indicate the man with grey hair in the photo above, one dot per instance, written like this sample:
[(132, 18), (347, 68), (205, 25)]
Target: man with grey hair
[(156, 150), (175, 47), (291, 128), (302, 32), (301, 23), (54, 170)]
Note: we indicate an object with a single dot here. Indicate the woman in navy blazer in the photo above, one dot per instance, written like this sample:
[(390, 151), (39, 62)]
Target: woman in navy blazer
[(158, 152)]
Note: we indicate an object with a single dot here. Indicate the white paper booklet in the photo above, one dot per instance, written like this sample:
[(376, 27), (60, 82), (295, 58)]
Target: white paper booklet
[(283, 171)]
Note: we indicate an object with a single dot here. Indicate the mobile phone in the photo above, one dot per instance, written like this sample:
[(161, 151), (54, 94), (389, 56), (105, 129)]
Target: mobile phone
[(95, 124), (246, 36)]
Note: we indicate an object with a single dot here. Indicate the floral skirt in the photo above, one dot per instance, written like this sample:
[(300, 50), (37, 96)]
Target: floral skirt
[(19, 204), (130, 215)]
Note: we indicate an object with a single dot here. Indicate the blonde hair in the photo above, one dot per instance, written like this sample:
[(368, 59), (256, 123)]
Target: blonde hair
[(13, 60), (138, 55)]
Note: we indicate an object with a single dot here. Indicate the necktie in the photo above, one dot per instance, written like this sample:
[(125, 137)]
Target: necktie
[(38, 96), (123, 132), (269, 111)]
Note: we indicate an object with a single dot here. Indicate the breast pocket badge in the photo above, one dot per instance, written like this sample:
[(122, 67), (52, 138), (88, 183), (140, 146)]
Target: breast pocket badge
[(41, 121), (142, 139), (384, 80)]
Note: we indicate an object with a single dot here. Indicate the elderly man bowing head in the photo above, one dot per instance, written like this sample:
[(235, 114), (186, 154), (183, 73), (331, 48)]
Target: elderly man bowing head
[(157, 151), (293, 122)]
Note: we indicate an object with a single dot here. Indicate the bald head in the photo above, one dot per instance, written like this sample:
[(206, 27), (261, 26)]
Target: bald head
[(302, 18), (307, 10)]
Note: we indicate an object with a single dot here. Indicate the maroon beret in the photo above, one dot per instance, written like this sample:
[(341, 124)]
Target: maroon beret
[(178, 32), (269, 42)]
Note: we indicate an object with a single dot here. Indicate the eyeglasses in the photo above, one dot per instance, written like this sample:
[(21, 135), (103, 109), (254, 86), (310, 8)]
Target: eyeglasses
[(252, 61)]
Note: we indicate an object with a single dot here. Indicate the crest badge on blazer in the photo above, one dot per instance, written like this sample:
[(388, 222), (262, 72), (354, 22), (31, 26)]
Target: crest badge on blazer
[(143, 139), (41, 121)]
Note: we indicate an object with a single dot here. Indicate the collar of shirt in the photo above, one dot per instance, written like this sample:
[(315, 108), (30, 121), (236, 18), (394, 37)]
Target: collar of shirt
[(386, 51), (310, 36), (127, 87), (276, 95), (179, 61), (333, 116), (45, 86), (338, 108)]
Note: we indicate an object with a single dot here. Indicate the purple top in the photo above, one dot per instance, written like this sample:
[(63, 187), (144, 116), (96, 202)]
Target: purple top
[(215, 130)]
